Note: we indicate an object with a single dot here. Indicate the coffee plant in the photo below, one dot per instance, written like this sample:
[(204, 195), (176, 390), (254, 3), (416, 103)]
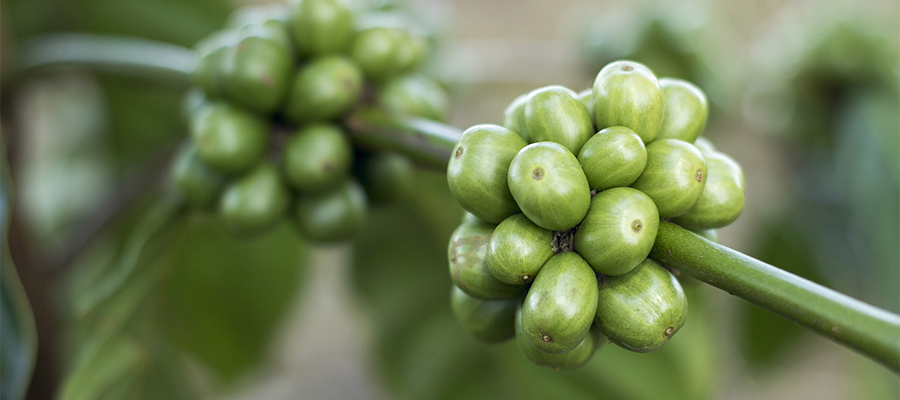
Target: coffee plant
[(591, 217), (565, 202)]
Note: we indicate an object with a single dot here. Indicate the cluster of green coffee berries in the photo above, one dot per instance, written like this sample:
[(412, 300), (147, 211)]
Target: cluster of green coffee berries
[(266, 134), (565, 200)]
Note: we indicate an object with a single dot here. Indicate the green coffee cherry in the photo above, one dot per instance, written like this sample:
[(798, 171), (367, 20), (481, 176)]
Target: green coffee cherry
[(618, 231), (254, 202), (518, 249), (575, 358), (229, 139), (490, 321), (686, 110), (333, 215), (722, 199), (324, 89), (555, 114), (674, 177), (478, 168), (317, 157), (549, 186), (210, 72), (613, 157), (627, 94), (468, 271), (641, 310), (322, 27), (387, 177), (374, 50), (560, 305), (704, 145), (513, 113), (198, 184), (587, 98), (415, 95), (404, 53), (257, 74)]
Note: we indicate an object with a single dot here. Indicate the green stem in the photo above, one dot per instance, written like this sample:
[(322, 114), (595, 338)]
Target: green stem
[(122, 55), (857, 325), (843, 319)]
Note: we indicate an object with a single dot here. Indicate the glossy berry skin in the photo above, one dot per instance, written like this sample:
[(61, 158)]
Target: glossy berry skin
[(415, 95), (555, 114), (618, 231), (254, 202), (489, 321), (674, 176), (722, 199), (560, 305), (518, 249), (199, 184), (323, 90), (549, 186), (613, 157), (333, 215), (317, 157), (686, 110), (468, 270), (627, 94), (574, 358), (641, 310), (477, 171), (229, 139), (321, 27)]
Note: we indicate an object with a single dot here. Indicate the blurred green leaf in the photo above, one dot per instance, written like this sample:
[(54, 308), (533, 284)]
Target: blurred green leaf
[(169, 292), (866, 173), (401, 275), (226, 293), (766, 336), (18, 337)]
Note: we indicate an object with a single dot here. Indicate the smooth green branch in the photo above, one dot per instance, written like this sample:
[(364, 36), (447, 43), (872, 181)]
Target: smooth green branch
[(122, 55), (860, 326)]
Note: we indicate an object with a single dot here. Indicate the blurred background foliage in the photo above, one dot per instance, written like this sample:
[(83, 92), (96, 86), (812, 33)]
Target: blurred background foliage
[(166, 305)]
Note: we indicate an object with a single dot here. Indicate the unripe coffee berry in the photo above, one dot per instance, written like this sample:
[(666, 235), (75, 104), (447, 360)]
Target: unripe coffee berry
[(627, 94), (674, 176), (560, 305), (549, 186), (618, 231), (641, 310), (477, 171)]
